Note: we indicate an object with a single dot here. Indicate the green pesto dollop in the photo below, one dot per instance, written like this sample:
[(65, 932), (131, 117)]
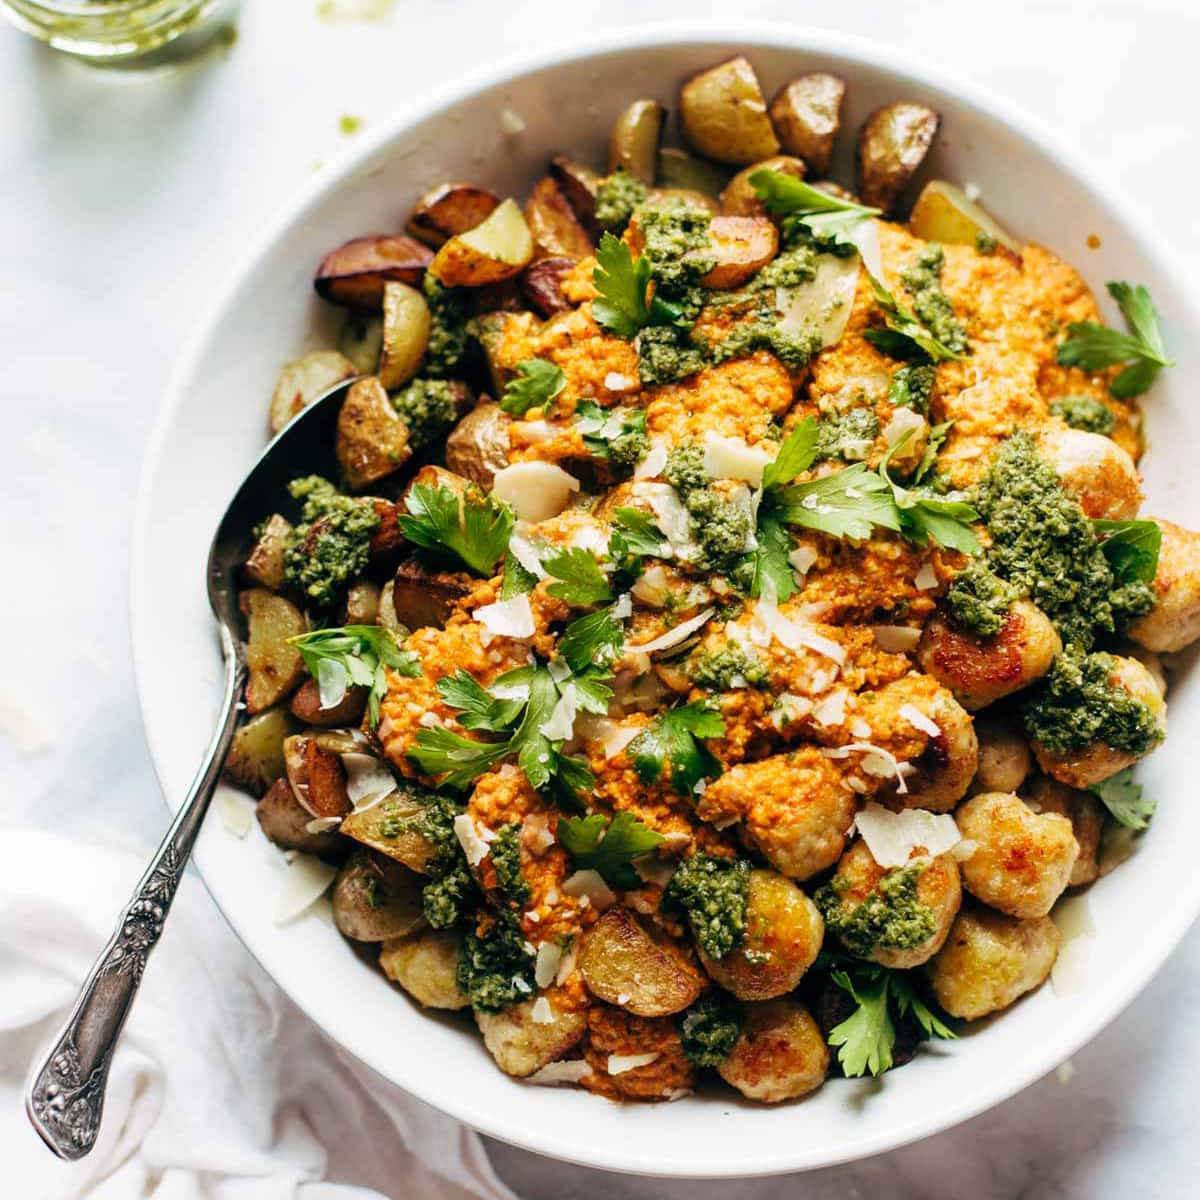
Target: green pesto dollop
[(616, 435), (1077, 705), (332, 544), (911, 386), (714, 893), (890, 918), (675, 244), (924, 280), (980, 600), (847, 435), (616, 198), (790, 268), (721, 528), (505, 851), (495, 969), (793, 347), (447, 330), (709, 1029), (985, 243), (667, 353), (684, 469), (727, 668), (429, 408), (1085, 412)]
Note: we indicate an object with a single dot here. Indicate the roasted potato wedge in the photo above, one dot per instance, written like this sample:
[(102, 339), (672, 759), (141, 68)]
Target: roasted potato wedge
[(742, 246), (275, 667), (285, 823), (423, 597), (489, 332), (892, 144), (264, 563), (542, 284), (304, 380), (406, 325), (387, 538), (945, 213), (306, 706), (376, 898), (633, 143), (256, 757), (448, 210), (724, 115), (389, 828), (557, 231), (679, 169), (361, 606), (623, 963), (316, 775), (425, 965), (520, 1045), (739, 199), (578, 185), (372, 439), (493, 251), (361, 341), (355, 274), (806, 114), (478, 446)]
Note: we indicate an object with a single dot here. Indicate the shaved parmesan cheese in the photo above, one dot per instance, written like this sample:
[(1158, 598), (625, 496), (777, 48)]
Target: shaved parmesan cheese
[(549, 959), (235, 813), (507, 618), (589, 536), (571, 1070), (1065, 1072), (1069, 974), (586, 886), (670, 514), (865, 235), (541, 1012), (323, 824), (823, 303), (918, 720), (367, 776), (964, 849), (652, 586), (904, 423), (673, 637), (306, 882), (652, 869), (524, 551), (859, 728), (893, 837), (831, 710), (567, 966), (788, 708), (511, 122), (510, 691), (536, 490), (732, 458), (623, 607), (896, 639), (612, 736), (654, 462), (561, 725), (474, 847), (926, 578), (801, 559), (614, 381), (429, 720), (876, 761), (618, 1064), (331, 682)]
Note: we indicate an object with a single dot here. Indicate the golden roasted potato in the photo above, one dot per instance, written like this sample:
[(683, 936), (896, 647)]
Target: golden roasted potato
[(807, 114), (578, 185), (780, 1055), (304, 380), (316, 775), (542, 285), (741, 246), (1174, 622), (390, 828), (783, 936), (425, 965), (521, 1045), (264, 564), (1095, 471), (945, 213), (892, 144), (557, 231), (361, 605), (372, 439), (448, 210), (633, 143), (275, 666), (387, 538), (256, 757), (406, 325), (739, 199), (677, 195), (1004, 756), (422, 597), (306, 706), (490, 330), (980, 670), (626, 964), (355, 274), (285, 823), (493, 251), (361, 341), (724, 115), (678, 169), (375, 898), (478, 446), (990, 960), (1022, 860), (1086, 815)]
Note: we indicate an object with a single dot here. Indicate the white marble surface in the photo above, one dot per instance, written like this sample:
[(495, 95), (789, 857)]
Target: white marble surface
[(125, 196)]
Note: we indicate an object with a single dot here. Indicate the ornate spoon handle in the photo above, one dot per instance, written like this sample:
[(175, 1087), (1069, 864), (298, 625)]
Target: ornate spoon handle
[(65, 1097)]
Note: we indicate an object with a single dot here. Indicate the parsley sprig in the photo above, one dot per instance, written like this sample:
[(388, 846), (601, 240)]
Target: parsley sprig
[(672, 740), (906, 335), (1132, 549), (354, 655), (536, 383), (473, 528), (925, 517), (623, 283), (1141, 351), (596, 843), (826, 217), (1125, 800), (579, 579)]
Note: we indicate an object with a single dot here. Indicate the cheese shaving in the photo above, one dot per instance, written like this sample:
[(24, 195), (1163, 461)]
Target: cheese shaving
[(918, 720), (894, 837), (367, 776), (876, 761), (306, 882), (831, 710), (535, 490), (654, 463), (896, 639), (474, 847), (235, 813), (561, 725), (541, 1013), (587, 886), (524, 551), (618, 1064), (549, 959), (507, 618), (732, 458), (926, 579), (571, 1070), (673, 637)]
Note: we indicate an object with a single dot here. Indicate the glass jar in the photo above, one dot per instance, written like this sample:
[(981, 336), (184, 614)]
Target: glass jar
[(115, 30)]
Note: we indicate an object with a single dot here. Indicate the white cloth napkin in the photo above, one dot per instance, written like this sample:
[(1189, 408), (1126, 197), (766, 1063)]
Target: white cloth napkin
[(221, 1088)]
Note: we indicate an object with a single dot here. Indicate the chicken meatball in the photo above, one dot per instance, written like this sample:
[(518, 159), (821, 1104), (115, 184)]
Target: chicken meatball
[(426, 966), (1086, 815), (990, 960), (1022, 861), (780, 1055), (1095, 471), (944, 771), (635, 1058), (1004, 757), (523, 1041), (1174, 622)]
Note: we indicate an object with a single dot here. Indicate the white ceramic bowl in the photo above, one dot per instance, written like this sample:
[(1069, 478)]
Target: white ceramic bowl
[(214, 423)]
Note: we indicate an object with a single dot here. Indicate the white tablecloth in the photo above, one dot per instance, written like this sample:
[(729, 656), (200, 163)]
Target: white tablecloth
[(125, 196)]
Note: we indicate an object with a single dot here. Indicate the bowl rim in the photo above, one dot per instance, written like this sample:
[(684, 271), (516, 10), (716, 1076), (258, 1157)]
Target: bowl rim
[(1142, 231)]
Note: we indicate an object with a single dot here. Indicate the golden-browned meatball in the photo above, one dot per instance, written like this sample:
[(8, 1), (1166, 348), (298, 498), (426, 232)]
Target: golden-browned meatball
[(980, 670), (780, 1055), (989, 960), (635, 1058), (1174, 622), (1086, 815), (783, 935), (1022, 861), (898, 917), (426, 966), (1004, 757), (944, 771), (1095, 471), (524, 1038)]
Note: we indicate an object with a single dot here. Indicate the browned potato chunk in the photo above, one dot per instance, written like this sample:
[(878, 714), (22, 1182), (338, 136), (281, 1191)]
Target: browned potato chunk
[(372, 439), (1086, 815), (742, 246), (387, 538), (724, 115), (264, 564), (285, 823), (557, 231), (355, 274), (306, 706), (493, 251), (627, 965), (990, 960), (306, 379), (892, 144), (361, 606), (316, 775), (739, 199), (807, 114), (678, 169), (422, 597), (578, 185), (1022, 860), (980, 670), (448, 210), (783, 936), (375, 898), (780, 1055), (425, 965), (361, 341), (390, 828), (478, 446), (945, 213), (542, 285), (1004, 757), (406, 325), (1174, 622), (521, 1045), (633, 143), (256, 756), (275, 666)]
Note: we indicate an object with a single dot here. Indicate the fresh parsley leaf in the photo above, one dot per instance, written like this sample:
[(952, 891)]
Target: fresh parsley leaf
[(937, 437), (571, 781), (865, 1038), (354, 655), (799, 449), (642, 537), (592, 693), (672, 738), (598, 844), (848, 503), (907, 1002), (1124, 800), (581, 582), (823, 215), (622, 282), (924, 517), (479, 708), (517, 581), (460, 760), (1142, 350), (904, 329), (473, 528), (600, 428), (536, 383), (595, 639), (1131, 548), (536, 754), (770, 557)]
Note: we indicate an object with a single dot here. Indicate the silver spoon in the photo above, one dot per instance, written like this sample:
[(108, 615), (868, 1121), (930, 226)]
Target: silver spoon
[(65, 1096)]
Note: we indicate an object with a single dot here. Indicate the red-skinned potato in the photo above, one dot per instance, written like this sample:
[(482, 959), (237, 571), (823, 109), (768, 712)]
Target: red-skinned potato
[(807, 113), (422, 597), (742, 246), (355, 273), (375, 898), (496, 250), (542, 285), (285, 823), (372, 439), (448, 210), (557, 231), (306, 706), (578, 185)]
